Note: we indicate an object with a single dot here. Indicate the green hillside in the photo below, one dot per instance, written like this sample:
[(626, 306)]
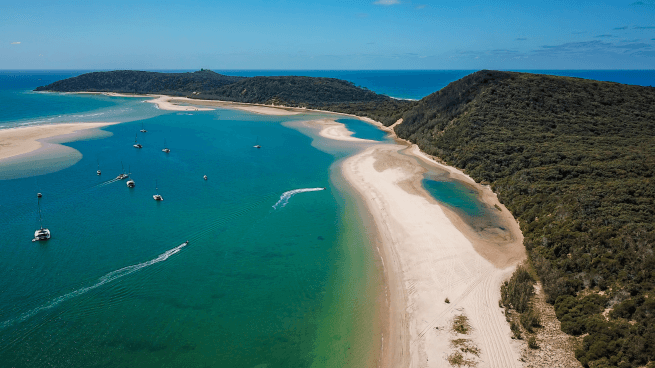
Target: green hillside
[(574, 161)]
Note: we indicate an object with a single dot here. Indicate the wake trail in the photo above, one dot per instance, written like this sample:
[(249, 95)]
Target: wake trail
[(114, 275), (284, 198)]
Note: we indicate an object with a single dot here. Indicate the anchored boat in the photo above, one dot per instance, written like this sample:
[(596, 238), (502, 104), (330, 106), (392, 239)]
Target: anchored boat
[(136, 144), (157, 197), (40, 234)]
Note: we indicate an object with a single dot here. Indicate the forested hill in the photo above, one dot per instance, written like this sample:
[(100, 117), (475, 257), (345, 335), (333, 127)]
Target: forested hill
[(574, 161), (316, 93), (132, 81)]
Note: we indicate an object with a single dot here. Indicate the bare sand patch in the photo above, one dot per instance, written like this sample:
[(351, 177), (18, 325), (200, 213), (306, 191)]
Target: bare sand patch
[(22, 140), (430, 255)]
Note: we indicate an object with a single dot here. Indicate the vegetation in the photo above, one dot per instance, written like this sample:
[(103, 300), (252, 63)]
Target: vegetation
[(132, 81), (447, 301), (461, 325), (457, 359), (573, 160), (314, 93), (532, 343)]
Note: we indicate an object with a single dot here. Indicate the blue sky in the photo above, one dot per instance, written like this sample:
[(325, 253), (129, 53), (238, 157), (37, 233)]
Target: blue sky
[(327, 34)]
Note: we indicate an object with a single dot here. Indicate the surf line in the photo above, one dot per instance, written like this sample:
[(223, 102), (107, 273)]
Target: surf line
[(114, 275), (284, 198)]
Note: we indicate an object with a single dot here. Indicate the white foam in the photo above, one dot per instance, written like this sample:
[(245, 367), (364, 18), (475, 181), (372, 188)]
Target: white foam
[(101, 281), (284, 198)]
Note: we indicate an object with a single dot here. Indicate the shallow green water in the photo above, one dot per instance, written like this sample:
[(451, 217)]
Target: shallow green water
[(290, 286)]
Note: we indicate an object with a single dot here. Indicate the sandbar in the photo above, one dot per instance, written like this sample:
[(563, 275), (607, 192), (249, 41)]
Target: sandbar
[(22, 140), (331, 129), (429, 254)]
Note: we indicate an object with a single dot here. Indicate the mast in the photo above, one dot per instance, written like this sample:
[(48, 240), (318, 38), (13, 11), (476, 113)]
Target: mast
[(38, 201)]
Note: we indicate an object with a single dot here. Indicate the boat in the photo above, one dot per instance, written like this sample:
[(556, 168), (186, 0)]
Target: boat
[(123, 175), (157, 197), (40, 234), (98, 172), (257, 144), (165, 148), (205, 177), (143, 130), (130, 183), (39, 195), (136, 144)]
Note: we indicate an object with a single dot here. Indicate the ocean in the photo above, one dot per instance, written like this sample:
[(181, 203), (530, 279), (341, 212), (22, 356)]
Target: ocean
[(279, 270)]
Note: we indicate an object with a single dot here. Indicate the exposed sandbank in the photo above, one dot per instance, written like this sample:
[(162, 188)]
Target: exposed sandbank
[(22, 140), (332, 129), (429, 254)]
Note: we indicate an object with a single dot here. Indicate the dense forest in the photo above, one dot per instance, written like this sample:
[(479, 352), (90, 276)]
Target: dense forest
[(574, 161), (315, 93), (132, 81)]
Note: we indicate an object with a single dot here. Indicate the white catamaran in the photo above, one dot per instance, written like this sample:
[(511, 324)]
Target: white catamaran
[(40, 234)]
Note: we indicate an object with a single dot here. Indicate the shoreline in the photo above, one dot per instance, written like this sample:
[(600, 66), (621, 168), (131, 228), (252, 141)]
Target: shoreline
[(15, 142), (429, 254)]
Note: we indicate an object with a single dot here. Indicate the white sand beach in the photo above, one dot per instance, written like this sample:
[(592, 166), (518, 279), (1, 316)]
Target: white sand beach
[(332, 129), (22, 140), (429, 255)]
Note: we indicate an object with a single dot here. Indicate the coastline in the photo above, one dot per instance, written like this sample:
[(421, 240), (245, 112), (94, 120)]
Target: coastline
[(429, 254), (25, 140), (427, 251)]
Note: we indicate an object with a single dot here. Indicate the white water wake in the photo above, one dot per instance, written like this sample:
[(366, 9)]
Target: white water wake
[(101, 281), (284, 198)]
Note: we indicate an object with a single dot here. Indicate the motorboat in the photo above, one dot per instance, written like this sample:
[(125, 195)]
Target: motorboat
[(205, 177), (40, 234), (130, 183), (136, 144), (39, 195)]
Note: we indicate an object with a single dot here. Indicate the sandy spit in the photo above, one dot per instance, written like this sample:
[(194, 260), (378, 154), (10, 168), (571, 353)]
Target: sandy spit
[(21, 140), (332, 129), (429, 254)]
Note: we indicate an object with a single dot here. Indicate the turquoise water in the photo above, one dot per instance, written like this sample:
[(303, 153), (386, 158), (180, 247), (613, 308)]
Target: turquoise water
[(258, 286), (455, 195), (363, 130)]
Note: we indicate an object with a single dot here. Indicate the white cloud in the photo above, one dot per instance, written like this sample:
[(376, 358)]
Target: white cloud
[(386, 2), (15, 43)]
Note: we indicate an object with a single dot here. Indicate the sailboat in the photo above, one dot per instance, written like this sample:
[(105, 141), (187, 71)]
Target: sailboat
[(143, 130), (130, 183), (41, 234), (98, 172), (165, 148), (123, 175), (136, 144), (256, 143), (157, 197)]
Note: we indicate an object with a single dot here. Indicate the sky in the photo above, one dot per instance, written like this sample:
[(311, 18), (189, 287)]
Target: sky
[(327, 34)]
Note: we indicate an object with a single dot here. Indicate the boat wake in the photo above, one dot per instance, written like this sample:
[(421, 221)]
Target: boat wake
[(114, 275), (284, 198)]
